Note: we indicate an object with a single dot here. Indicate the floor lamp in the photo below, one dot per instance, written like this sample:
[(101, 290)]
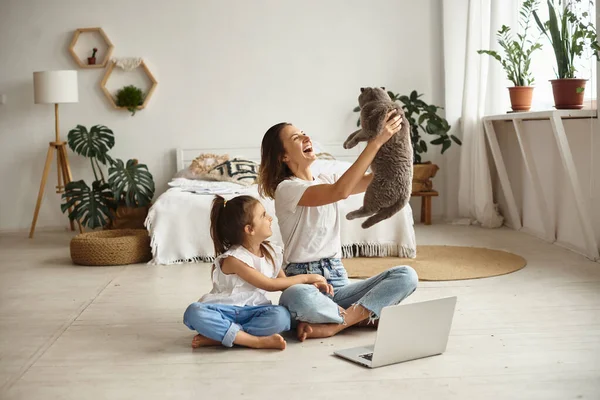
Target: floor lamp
[(54, 87)]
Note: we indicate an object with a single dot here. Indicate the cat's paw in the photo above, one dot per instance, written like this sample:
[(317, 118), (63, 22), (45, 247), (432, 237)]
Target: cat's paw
[(352, 215), (367, 224), (348, 144)]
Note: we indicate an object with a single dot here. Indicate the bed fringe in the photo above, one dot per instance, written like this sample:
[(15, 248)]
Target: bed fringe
[(377, 250), (154, 247), (348, 250)]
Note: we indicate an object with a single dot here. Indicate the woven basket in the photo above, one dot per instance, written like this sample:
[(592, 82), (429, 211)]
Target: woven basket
[(422, 174), (111, 247)]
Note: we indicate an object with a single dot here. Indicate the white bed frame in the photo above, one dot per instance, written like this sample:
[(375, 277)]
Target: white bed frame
[(185, 156)]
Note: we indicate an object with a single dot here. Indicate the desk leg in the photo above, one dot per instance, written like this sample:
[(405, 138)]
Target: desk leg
[(513, 211), (569, 165), (543, 210)]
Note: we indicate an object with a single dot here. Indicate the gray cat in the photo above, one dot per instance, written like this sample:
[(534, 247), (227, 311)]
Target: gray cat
[(392, 167)]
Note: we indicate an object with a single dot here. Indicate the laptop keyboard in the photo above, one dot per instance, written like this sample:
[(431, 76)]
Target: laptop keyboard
[(367, 356)]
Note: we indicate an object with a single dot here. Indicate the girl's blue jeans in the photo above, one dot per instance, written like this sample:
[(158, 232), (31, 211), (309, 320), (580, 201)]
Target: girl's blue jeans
[(307, 303), (223, 322)]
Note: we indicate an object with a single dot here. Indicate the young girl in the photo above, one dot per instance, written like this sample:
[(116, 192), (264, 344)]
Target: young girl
[(236, 311)]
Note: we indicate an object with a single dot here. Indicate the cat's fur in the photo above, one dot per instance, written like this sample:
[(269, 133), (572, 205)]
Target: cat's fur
[(392, 167)]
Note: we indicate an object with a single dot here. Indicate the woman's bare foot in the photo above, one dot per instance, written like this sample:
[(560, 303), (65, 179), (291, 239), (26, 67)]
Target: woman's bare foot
[(366, 324), (312, 331), (275, 341), (201, 341), (303, 330), (352, 316)]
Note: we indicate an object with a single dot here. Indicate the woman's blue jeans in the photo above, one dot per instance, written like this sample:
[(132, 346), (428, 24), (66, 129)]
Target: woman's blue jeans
[(307, 303)]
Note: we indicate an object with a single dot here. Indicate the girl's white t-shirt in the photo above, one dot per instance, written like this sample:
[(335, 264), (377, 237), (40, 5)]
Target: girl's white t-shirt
[(232, 290), (308, 233)]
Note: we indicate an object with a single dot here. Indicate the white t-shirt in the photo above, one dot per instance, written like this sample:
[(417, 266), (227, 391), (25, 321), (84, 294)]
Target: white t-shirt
[(308, 233), (232, 290)]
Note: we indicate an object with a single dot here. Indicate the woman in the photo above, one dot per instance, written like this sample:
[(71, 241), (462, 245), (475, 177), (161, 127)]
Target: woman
[(309, 220)]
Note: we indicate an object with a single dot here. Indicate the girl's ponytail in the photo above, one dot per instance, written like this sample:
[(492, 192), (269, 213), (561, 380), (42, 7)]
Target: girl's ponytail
[(216, 213)]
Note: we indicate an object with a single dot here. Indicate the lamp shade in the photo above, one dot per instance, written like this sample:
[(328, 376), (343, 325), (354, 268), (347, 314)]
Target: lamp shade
[(55, 87)]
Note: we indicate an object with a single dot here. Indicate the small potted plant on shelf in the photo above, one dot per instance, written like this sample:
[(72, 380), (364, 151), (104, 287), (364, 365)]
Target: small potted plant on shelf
[(423, 118), (570, 33), (131, 98), (92, 59), (517, 58), (122, 200)]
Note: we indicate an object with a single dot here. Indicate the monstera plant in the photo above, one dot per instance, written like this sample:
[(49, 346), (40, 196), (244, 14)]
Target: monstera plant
[(129, 185)]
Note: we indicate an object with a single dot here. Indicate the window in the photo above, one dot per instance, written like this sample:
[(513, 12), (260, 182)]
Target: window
[(543, 64)]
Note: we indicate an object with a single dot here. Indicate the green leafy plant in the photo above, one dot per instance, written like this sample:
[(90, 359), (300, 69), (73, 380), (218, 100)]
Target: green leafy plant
[(128, 183), (130, 97), (517, 52), (570, 34), (423, 118)]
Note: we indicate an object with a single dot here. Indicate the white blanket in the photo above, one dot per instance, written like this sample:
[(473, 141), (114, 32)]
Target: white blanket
[(179, 222)]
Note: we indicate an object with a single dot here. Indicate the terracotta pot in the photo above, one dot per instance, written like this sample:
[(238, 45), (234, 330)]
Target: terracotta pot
[(568, 93), (422, 174), (91, 60), (520, 97)]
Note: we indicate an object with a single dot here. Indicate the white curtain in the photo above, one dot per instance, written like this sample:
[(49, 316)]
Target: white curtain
[(475, 87)]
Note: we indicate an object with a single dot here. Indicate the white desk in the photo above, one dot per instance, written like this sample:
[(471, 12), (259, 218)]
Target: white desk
[(555, 117)]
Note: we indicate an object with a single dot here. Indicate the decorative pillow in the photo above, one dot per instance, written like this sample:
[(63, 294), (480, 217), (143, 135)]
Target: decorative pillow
[(205, 162), (238, 170), (325, 156), (201, 165)]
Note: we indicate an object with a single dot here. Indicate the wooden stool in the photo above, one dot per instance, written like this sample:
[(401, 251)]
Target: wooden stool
[(426, 205)]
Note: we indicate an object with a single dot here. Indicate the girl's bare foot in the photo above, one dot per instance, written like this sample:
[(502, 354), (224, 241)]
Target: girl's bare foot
[(201, 341), (275, 341), (260, 342)]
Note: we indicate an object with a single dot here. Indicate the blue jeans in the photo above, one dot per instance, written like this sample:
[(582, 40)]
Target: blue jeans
[(306, 303), (222, 322)]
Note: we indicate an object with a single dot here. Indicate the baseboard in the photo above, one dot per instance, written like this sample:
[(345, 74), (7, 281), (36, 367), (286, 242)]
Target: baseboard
[(575, 249), (537, 234)]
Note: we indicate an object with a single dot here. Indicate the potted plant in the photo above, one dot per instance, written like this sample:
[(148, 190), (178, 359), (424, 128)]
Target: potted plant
[(570, 34), (92, 59), (517, 58), (111, 202), (423, 118), (131, 98)]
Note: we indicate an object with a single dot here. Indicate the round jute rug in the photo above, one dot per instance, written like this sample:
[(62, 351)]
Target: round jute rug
[(442, 263)]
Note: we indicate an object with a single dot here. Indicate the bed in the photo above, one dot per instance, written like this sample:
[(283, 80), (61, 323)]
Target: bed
[(178, 222)]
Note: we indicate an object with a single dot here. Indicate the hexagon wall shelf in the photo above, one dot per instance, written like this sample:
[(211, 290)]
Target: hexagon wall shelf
[(111, 98), (105, 39)]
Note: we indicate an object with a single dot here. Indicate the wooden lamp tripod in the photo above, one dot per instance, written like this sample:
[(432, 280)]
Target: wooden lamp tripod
[(54, 87)]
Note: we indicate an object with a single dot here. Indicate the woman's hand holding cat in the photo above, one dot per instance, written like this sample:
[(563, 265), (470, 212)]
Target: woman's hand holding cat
[(390, 129)]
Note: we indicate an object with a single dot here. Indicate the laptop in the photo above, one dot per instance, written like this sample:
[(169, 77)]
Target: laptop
[(407, 332)]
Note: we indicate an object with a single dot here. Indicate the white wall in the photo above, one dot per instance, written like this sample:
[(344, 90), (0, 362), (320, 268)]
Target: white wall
[(584, 139), (227, 70)]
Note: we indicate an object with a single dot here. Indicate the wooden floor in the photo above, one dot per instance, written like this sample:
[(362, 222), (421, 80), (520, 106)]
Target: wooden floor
[(71, 332)]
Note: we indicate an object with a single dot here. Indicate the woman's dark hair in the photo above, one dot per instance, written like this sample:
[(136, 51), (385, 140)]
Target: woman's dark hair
[(228, 220), (272, 168)]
